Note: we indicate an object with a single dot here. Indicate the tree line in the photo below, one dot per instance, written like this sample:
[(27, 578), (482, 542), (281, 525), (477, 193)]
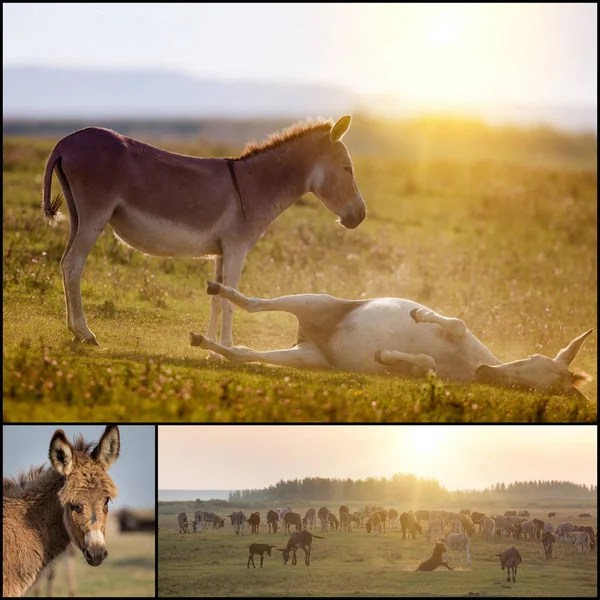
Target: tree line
[(403, 488)]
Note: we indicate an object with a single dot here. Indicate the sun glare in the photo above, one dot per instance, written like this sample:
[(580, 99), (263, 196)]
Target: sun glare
[(445, 30), (426, 442), (420, 449)]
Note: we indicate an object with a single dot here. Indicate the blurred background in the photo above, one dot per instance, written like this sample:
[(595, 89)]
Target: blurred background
[(129, 569), (188, 64)]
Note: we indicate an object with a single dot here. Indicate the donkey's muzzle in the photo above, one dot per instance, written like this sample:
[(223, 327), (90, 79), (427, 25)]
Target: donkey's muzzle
[(354, 219), (95, 556)]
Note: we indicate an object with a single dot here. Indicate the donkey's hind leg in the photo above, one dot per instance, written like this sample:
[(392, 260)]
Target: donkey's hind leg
[(313, 311), (455, 327), (72, 264), (301, 356), (412, 365), (85, 230)]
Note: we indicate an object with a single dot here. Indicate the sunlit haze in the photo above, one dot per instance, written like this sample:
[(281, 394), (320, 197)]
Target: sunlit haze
[(459, 457), (440, 54)]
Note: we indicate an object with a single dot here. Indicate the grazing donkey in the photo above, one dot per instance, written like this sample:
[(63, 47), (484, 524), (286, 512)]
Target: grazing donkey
[(168, 204), (238, 518), (292, 518), (258, 549), (323, 515), (309, 521), (47, 508), (254, 521), (510, 559), (394, 335), (182, 523), (272, 520), (299, 539)]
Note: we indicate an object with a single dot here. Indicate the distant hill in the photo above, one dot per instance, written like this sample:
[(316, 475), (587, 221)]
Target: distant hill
[(68, 93), (36, 92), (170, 495)]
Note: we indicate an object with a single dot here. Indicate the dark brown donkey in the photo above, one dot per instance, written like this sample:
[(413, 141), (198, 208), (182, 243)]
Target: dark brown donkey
[(46, 508), (258, 549), (299, 539), (169, 204)]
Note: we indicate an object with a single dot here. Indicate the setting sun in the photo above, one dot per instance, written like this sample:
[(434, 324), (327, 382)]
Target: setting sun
[(446, 29), (426, 442)]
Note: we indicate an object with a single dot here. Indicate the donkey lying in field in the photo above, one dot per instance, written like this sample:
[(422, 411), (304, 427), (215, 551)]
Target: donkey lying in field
[(168, 204), (394, 335), (47, 508)]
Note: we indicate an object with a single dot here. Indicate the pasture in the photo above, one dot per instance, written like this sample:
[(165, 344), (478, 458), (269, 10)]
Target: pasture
[(358, 564), (129, 569), (507, 245)]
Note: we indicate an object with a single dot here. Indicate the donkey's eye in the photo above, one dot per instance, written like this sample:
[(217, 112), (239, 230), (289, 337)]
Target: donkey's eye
[(349, 169), (106, 505), (76, 508)]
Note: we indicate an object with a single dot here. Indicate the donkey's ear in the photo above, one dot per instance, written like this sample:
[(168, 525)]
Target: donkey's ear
[(61, 453), (339, 129), (567, 354), (107, 450)]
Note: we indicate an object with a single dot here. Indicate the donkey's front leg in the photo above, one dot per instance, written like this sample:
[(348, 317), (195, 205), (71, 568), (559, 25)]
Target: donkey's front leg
[(301, 356), (233, 261), (216, 306), (455, 327)]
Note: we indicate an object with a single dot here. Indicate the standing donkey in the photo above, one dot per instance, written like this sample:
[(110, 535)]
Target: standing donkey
[(47, 508), (168, 204)]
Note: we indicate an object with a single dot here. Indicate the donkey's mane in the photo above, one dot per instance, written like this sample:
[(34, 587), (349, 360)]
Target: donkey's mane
[(36, 477), (285, 136)]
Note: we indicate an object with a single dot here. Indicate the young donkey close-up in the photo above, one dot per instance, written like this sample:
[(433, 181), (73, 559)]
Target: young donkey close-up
[(47, 508), (168, 204)]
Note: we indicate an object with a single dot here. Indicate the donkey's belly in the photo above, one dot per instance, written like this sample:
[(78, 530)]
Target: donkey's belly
[(384, 324), (158, 236)]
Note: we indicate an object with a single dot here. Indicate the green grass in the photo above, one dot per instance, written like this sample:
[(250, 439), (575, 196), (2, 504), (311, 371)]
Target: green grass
[(508, 247), (358, 564), (128, 571)]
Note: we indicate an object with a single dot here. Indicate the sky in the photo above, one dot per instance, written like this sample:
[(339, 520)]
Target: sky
[(25, 446), (445, 55), (232, 457)]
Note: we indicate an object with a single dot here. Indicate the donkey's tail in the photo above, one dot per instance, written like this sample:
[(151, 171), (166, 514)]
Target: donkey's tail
[(50, 207)]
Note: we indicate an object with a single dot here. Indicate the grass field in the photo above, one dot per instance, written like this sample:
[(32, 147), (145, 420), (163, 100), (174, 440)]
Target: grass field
[(128, 571), (508, 246), (358, 564)]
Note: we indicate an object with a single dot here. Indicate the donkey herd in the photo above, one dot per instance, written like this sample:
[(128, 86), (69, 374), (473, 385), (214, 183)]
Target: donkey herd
[(168, 204), (451, 532)]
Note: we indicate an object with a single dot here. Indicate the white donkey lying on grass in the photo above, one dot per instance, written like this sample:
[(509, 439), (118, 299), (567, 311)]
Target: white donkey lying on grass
[(394, 335)]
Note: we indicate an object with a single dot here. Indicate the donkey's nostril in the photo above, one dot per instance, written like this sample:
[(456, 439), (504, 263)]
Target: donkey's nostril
[(104, 555)]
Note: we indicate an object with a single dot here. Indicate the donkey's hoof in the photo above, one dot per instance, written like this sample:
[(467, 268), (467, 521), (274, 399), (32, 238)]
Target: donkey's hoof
[(196, 339), (91, 341), (377, 356), (213, 288), (413, 314)]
